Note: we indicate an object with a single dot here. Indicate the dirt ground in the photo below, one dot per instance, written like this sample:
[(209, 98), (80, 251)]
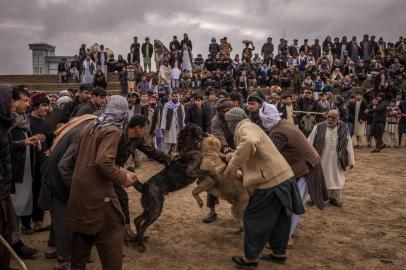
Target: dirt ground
[(369, 232)]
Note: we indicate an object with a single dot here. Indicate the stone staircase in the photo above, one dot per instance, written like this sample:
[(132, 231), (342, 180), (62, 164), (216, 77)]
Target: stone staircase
[(50, 84)]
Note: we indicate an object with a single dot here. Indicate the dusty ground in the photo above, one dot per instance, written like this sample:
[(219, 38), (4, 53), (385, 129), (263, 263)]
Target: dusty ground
[(369, 232)]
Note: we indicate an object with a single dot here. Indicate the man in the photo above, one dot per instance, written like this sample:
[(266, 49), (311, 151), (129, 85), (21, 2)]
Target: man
[(219, 128), (194, 113), (18, 101), (316, 49), (165, 72), (57, 174), (301, 156), (96, 103), (70, 108), (153, 112), (378, 122), (365, 47), (172, 121), (274, 192), (62, 71), (75, 69), (37, 124), (147, 50), (132, 139), (332, 141), (209, 109), (267, 49), (174, 45), (288, 109), (358, 115), (96, 217), (135, 49), (255, 102), (101, 58), (186, 41), (21, 173)]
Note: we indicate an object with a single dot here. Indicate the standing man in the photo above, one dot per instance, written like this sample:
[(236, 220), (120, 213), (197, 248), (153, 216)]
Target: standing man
[(359, 117), (267, 50), (172, 121), (135, 49), (102, 59), (301, 156), (219, 128), (96, 217), (332, 141), (194, 113), (147, 50), (37, 124), (378, 122), (274, 192), (15, 172)]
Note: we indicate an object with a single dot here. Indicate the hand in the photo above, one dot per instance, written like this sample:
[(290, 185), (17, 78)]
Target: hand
[(366, 111), (131, 178), (31, 141), (226, 150), (40, 137)]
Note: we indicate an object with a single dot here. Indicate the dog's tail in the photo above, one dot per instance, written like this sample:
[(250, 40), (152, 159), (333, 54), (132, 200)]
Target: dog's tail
[(137, 184)]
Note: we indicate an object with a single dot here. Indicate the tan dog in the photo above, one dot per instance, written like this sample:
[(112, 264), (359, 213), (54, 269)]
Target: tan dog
[(229, 188)]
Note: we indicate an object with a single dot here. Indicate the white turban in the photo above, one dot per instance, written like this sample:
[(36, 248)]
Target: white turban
[(269, 115)]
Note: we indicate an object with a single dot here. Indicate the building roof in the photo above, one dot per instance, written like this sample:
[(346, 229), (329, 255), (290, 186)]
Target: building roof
[(41, 46)]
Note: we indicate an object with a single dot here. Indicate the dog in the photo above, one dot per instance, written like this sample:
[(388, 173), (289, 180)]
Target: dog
[(178, 174), (229, 188)]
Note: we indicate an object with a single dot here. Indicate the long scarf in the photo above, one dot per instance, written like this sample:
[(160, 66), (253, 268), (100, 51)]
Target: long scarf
[(342, 141), (174, 107), (107, 119), (20, 121)]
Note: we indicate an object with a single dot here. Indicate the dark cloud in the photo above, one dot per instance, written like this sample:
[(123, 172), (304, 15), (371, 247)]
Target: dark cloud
[(68, 23)]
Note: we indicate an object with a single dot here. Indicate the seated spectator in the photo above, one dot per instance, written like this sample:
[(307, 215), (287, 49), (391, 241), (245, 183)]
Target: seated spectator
[(111, 64), (336, 77), (100, 79), (120, 63), (75, 69)]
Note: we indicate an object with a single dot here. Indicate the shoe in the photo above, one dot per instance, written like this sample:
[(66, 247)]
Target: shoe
[(242, 263), (383, 146), (24, 251), (275, 259), (376, 151), (336, 203), (211, 216)]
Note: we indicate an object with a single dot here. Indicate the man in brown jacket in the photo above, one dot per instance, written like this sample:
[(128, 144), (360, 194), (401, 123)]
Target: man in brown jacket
[(94, 212), (301, 156), (274, 192)]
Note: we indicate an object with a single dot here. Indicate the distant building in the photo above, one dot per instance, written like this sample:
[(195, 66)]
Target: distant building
[(44, 60)]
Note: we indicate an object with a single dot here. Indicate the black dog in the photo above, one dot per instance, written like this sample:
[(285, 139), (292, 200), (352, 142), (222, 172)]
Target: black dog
[(177, 175)]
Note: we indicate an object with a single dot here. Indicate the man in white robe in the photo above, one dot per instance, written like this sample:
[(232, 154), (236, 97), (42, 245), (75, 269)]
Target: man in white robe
[(172, 121), (333, 143)]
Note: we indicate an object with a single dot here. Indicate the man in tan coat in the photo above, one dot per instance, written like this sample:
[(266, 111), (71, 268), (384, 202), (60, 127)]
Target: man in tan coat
[(94, 212), (274, 192)]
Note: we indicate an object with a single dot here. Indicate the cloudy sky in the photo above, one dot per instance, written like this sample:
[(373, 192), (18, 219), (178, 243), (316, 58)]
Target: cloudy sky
[(68, 23)]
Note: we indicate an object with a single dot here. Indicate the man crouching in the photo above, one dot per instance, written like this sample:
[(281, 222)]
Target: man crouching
[(274, 192)]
